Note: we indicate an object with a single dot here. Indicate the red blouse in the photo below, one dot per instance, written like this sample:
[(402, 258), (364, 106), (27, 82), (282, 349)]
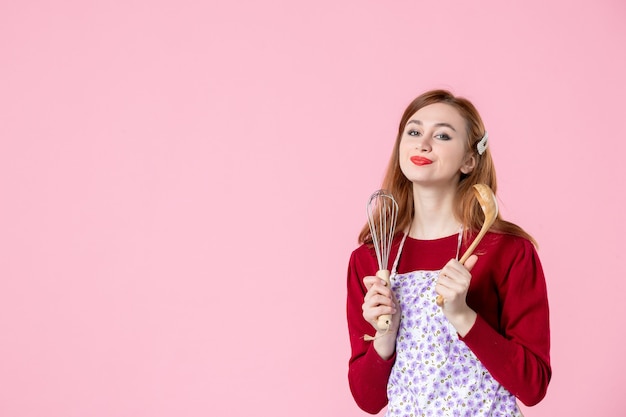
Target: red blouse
[(511, 336)]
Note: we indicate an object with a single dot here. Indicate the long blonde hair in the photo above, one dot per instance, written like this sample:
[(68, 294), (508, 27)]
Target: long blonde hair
[(466, 208)]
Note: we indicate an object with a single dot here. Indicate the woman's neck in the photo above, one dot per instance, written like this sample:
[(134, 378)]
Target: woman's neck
[(433, 217)]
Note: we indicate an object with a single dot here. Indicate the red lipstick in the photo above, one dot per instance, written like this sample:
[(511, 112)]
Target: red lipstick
[(420, 160)]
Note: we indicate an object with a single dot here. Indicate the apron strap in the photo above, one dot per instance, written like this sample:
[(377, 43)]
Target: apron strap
[(397, 260)]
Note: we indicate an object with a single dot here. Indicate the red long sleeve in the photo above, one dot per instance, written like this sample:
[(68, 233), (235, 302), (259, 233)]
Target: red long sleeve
[(514, 346), (368, 372)]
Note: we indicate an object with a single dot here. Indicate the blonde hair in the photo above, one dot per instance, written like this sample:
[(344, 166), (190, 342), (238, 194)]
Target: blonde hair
[(466, 208)]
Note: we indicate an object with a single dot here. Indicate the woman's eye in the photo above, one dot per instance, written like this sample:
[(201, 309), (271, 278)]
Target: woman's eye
[(413, 133), (443, 136)]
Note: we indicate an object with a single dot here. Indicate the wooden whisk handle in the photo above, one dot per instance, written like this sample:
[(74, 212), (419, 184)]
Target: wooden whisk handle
[(384, 321)]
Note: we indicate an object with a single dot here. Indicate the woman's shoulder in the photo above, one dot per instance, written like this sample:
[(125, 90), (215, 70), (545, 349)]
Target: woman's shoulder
[(365, 255), (507, 240), (362, 253), (507, 247)]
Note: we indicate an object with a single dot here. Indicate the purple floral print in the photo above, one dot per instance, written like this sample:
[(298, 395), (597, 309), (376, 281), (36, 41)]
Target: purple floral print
[(435, 373)]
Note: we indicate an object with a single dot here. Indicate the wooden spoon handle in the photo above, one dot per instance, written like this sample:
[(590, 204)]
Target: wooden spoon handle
[(489, 206), (466, 256)]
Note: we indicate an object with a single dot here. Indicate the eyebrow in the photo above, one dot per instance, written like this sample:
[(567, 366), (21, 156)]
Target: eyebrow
[(441, 124)]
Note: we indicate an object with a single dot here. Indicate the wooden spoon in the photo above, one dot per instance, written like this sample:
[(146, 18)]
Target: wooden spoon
[(489, 206)]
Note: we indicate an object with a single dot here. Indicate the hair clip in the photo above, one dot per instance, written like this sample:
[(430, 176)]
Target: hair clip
[(482, 145)]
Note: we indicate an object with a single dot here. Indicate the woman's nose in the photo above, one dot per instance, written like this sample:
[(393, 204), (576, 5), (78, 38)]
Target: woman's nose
[(423, 143)]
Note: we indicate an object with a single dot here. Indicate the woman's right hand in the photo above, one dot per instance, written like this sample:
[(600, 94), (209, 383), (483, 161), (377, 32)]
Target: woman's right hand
[(380, 300)]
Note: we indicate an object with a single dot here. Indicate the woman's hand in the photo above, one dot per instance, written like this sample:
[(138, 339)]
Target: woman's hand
[(452, 285), (380, 300)]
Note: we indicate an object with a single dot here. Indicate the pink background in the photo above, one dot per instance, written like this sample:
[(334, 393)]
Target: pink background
[(182, 183)]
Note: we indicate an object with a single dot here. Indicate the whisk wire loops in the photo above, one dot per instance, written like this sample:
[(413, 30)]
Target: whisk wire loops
[(382, 212)]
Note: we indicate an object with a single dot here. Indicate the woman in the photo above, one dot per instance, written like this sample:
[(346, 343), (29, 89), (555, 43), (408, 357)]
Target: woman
[(489, 343)]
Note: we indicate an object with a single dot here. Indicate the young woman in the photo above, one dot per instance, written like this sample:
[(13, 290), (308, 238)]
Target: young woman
[(490, 341)]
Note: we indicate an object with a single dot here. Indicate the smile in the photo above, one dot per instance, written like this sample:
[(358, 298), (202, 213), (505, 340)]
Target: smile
[(420, 160)]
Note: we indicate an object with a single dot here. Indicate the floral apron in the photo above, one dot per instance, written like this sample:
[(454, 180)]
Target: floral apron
[(435, 373)]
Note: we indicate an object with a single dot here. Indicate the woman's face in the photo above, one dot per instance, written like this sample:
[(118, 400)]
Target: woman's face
[(433, 148)]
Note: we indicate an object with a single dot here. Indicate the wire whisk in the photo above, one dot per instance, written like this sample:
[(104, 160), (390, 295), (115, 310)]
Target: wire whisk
[(382, 216)]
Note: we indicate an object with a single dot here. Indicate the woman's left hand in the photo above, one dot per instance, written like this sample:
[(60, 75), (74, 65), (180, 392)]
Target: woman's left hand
[(452, 285)]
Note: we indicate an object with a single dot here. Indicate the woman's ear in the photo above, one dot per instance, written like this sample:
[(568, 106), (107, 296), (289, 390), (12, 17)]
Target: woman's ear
[(469, 164)]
